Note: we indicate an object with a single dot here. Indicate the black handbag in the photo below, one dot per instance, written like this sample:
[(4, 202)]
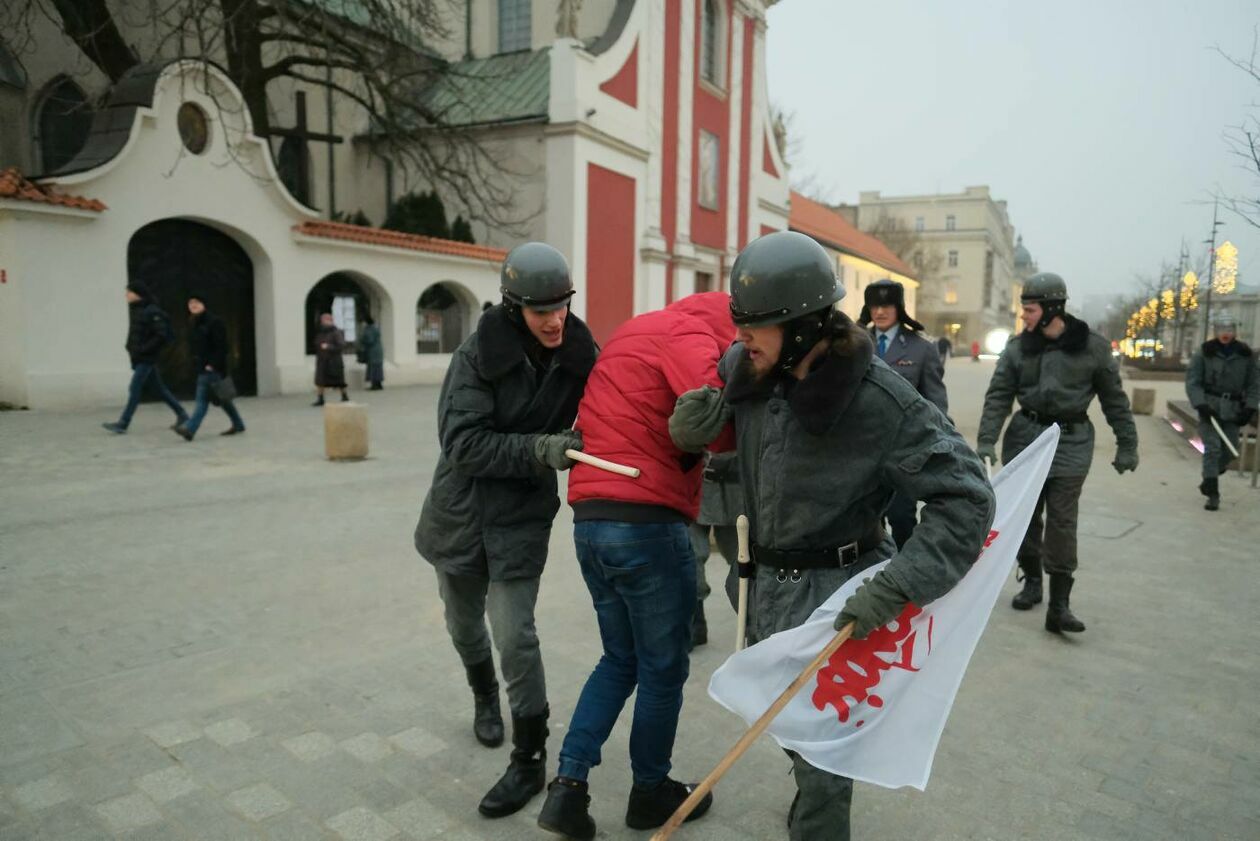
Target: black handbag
[(224, 390)]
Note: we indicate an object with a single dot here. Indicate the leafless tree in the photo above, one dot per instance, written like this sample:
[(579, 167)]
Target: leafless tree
[(913, 250), (1244, 138), (375, 54)]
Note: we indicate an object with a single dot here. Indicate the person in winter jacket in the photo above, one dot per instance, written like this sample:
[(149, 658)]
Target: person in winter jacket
[(149, 332), (635, 554), (330, 366), (372, 354), (504, 418), (209, 344), (1223, 384)]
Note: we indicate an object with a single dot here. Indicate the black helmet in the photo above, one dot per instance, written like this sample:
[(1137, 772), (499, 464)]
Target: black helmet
[(535, 275), (1050, 291), (779, 277), (887, 293), (786, 278)]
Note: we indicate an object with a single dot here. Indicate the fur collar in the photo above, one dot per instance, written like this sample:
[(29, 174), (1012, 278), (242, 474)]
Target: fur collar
[(822, 397), (501, 345), (1214, 348), (1073, 340)]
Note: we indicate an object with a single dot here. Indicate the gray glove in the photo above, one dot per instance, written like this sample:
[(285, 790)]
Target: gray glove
[(1126, 459), (987, 452), (549, 449), (698, 418), (876, 603)]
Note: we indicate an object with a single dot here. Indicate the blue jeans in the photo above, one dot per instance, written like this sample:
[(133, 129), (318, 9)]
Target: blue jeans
[(205, 382), (140, 374), (642, 580)]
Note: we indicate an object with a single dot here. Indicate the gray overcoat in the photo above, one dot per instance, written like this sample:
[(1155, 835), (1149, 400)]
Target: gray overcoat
[(1057, 380), (819, 462), (489, 509), (1227, 384), (918, 360)]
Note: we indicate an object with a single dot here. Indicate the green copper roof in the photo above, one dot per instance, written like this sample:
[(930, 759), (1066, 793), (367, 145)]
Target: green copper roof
[(507, 88)]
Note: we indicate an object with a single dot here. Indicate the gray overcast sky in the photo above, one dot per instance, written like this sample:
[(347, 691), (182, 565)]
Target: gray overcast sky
[(1101, 123)]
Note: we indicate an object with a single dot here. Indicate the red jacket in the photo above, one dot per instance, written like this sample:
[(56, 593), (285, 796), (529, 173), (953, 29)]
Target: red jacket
[(624, 413)]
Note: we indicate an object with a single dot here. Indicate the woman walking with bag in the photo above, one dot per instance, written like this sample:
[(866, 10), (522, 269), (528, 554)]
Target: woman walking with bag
[(208, 341)]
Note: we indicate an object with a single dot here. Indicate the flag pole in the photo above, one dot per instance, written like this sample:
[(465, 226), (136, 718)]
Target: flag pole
[(707, 784), (744, 569)]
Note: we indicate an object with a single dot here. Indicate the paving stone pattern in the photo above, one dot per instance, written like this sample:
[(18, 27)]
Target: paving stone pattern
[(234, 639)]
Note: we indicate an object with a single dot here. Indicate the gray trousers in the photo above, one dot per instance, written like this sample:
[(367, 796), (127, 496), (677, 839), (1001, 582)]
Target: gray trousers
[(728, 544), (822, 807), (510, 605), (1051, 537), (1216, 457)]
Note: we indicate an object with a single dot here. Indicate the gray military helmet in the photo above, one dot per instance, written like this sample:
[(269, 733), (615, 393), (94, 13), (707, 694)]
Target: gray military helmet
[(1044, 287), (535, 275), (779, 277)]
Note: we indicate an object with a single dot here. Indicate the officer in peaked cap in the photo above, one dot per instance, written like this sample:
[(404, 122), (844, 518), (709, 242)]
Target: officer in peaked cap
[(899, 344)]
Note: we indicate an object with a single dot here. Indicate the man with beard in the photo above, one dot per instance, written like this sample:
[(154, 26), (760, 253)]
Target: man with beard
[(1222, 384), (826, 435), (898, 343), (504, 417), (1055, 367)]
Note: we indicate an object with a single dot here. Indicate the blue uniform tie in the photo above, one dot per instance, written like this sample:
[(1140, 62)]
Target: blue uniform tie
[(883, 344)]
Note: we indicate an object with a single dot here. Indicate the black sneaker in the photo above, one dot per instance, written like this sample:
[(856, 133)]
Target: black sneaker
[(115, 427), (567, 810), (183, 432), (233, 431), (651, 807)]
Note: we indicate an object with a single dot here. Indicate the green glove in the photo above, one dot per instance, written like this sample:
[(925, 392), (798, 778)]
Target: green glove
[(698, 418), (1126, 459), (987, 452), (549, 449), (876, 603)]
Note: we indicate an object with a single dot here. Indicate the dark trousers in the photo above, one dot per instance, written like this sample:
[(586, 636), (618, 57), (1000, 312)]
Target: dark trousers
[(205, 382), (903, 516), (728, 544), (1216, 457), (141, 373), (1051, 537)]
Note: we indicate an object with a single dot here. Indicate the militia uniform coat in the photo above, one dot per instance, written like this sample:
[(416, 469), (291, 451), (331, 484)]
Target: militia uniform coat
[(489, 509), (1228, 384), (1056, 381), (917, 359)]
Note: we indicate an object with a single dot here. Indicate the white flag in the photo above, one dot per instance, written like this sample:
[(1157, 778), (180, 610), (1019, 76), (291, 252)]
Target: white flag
[(876, 710)]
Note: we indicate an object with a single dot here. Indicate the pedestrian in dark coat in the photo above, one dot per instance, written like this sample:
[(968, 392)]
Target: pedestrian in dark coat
[(504, 415), (898, 343), (372, 351), (207, 338), (1223, 384), (330, 366), (149, 331)]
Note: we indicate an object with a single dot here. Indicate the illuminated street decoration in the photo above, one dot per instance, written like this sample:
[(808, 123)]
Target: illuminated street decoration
[(1190, 291), (1225, 275)]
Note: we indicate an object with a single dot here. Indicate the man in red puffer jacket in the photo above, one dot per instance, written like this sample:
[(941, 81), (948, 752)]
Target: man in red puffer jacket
[(635, 553)]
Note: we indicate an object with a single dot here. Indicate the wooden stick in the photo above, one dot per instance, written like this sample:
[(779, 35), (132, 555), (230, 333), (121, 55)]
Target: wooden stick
[(1225, 440), (748, 738), (610, 466), (741, 616)]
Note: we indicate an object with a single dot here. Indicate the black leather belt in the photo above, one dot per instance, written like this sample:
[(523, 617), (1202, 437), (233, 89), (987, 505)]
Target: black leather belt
[(1066, 423), (837, 557), (1225, 395)]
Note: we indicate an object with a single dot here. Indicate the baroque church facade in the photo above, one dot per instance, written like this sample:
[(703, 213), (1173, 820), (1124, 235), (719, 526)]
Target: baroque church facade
[(637, 133)]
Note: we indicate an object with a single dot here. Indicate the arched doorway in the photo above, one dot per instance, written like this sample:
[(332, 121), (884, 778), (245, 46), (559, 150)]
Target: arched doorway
[(348, 299), (176, 258), (442, 321)]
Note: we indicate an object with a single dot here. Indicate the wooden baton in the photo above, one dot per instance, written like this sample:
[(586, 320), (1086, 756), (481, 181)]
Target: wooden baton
[(706, 785), (741, 615), (610, 466)]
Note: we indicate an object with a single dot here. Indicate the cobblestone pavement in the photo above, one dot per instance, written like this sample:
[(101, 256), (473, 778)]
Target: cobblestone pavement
[(233, 639)]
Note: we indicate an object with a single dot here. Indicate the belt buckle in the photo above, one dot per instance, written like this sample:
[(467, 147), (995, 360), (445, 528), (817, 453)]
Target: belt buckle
[(1227, 396), (851, 549)]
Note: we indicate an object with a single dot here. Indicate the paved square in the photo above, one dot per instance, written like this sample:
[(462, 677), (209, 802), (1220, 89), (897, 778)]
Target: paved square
[(234, 639)]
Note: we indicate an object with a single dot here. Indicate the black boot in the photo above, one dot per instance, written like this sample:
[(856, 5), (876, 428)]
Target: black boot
[(1026, 598), (1211, 489), (699, 626), (567, 810), (651, 807), (487, 719), (1059, 616), (526, 774), (319, 401)]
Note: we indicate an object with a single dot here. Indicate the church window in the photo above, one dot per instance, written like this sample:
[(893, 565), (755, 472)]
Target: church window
[(710, 170), (514, 26), (953, 259), (704, 282), (711, 42), (63, 121), (949, 222), (194, 128), (294, 166)]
